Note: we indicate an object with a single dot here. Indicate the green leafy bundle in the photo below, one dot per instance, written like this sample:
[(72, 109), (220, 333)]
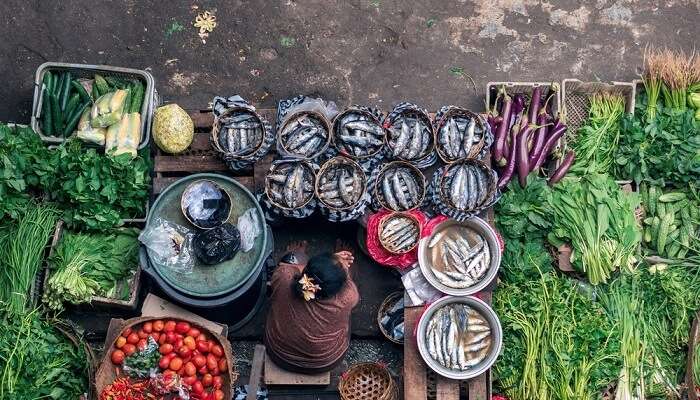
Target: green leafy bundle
[(38, 360), (88, 264), (664, 152), (523, 212), (96, 191), (597, 219)]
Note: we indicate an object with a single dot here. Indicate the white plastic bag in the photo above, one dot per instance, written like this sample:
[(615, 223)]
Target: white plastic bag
[(419, 290), (249, 226), (169, 244)]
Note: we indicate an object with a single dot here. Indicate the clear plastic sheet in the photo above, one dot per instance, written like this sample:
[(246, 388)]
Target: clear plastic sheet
[(250, 226), (169, 245)]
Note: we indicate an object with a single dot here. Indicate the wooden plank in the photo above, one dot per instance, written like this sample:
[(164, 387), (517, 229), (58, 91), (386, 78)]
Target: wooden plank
[(201, 142), (203, 163), (414, 378), (256, 370), (159, 184), (478, 387), (447, 389), (275, 375), (202, 119)]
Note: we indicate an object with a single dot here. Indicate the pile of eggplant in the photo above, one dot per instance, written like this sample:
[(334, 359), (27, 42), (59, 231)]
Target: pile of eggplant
[(358, 133), (340, 183), (305, 134), (290, 184), (411, 136), (239, 132), (468, 185), (399, 233), (526, 134), (460, 134), (400, 187)]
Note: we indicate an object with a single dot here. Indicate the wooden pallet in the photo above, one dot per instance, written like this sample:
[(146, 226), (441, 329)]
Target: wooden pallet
[(201, 157)]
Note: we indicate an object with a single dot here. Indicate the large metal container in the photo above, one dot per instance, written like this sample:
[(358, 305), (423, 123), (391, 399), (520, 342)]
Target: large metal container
[(496, 337), (481, 227), (87, 71)]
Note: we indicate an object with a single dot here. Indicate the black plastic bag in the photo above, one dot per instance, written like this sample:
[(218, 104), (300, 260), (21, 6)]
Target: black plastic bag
[(218, 244)]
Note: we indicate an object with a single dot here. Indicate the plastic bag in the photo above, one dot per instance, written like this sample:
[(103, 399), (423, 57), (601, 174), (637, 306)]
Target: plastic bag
[(144, 363), (250, 227), (217, 245), (418, 289), (169, 244)]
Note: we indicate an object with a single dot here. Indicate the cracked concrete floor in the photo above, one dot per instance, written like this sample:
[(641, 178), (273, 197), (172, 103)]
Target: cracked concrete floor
[(374, 52)]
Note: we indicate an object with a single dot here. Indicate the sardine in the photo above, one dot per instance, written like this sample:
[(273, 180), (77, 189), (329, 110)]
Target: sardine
[(278, 178), (456, 186), (479, 337), (439, 344), (244, 125), (469, 137), (461, 356), (414, 149), (366, 127), (479, 328), (240, 118), (276, 195), (360, 141), (290, 188), (473, 190), (454, 143), (452, 337), (233, 141), (436, 238), (402, 140), (411, 186), (388, 193), (398, 192), (345, 193), (429, 334), (244, 139), (310, 147), (299, 138)]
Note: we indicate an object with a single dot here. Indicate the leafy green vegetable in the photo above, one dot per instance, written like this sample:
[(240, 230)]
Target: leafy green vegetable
[(38, 360), (597, 219), (524, 212), (87, 264), (664, 152)]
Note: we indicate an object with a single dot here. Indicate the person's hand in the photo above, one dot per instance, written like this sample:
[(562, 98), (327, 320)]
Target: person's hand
[(345, 258)]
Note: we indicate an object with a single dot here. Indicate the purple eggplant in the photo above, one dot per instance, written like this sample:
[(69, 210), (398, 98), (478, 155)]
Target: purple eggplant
[(501, 132), (521, 154), (507, 173), (563, 168), (556, 132), (535, 100)]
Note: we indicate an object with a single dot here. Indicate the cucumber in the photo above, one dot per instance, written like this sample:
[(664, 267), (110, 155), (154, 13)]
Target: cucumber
[(671, 197), (46, 115), (137, 92), (65, 90), (73, 121), (56, 115), (116, 83), (102, 86), (80, 90), (72, 104), (48, 78), (95, 92)]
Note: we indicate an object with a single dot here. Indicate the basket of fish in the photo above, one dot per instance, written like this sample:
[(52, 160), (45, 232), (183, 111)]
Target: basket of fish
[(400, 187), (411, 135), (289, 188), (459, 337), (341, 188), (358, 134), (399, 232), (461, 134), (463, 189), (460, 258), (304, 134), (390, 317), (239, 134)]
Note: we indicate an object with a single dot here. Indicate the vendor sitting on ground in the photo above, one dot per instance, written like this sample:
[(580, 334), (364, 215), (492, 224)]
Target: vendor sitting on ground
[(308, 325)]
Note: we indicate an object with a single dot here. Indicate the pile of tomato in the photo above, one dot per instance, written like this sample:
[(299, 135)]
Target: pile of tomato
[(185, 351)]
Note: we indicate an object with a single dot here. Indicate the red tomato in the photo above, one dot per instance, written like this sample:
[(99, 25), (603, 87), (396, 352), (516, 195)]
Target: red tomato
[(201, 337), (194, 332), (170, 338), (133, 338), (168, 373), (175, 363), (121, 341), (215, 371), (126, 332), (184, 352), (166, 348), (169, 326), (211, 362), (179, 343), (207, 380), (142, 334), (164, 362), (217, 382), (222, 365), (190, 369), (219, 395), (203, 370), (161, 339), (141, 345), (181, 371), (197, 387), (117, 357), (203, 346), (217, 350), (182, 327), (129, 349), (199, 361), (190, 380), (148, 327), (189, 342), (158, 325), (154, 335)]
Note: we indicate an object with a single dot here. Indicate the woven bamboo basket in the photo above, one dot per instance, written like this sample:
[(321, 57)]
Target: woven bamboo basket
[(388, 302), (312, 114), (69, 332), (389, 217), (340, 160), (268, 184), (216, 130), (367, 381), (337, 131), (459, 112), (378, 197), (479, 164), (404, 110)]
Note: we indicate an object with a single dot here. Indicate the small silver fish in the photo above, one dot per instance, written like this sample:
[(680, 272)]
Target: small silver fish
[(415, 147), (398, 192), (403, 139), (366, 127), (454, 142), (468, 141), (345, 192), (436, 238)]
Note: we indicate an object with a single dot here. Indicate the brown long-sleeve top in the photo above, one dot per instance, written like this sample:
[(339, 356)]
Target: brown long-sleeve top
[(308, 334)]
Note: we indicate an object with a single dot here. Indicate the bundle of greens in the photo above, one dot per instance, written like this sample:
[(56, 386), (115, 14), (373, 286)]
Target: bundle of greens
[(523, 212), (97, 191), (671, 223), (21, 253), (595, 217), (86, 265), (38, 360), (596, 141)]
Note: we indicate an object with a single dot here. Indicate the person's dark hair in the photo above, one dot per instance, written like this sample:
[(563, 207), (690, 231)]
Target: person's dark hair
[(326, 271)]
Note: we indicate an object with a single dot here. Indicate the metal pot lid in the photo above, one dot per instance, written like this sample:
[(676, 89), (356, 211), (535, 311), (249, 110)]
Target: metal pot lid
[(210, 280)]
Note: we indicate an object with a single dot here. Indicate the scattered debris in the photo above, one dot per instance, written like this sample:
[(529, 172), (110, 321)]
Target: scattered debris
[(287, 41), (174, 27), (206, 22)]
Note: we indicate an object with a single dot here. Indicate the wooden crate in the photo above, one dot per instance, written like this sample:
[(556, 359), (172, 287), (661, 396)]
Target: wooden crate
[(201, 157)]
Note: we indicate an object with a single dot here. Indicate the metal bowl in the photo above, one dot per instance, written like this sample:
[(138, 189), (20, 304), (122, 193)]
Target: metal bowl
[(496, 337), (481, 227)]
